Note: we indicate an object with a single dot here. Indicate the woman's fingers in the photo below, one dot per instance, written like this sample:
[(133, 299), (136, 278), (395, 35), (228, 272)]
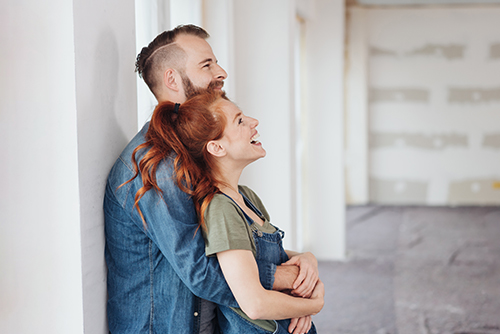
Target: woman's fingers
[(307, 284), (308, 274), (303, 325), (293, 324)]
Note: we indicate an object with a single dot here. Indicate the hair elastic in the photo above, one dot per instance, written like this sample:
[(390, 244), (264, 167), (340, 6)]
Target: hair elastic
[(176, 108)]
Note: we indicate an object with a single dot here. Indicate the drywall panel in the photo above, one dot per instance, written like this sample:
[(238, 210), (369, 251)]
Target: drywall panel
[(434, 104)]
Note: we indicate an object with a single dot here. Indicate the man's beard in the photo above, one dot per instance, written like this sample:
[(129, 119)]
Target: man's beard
[(191, 90)]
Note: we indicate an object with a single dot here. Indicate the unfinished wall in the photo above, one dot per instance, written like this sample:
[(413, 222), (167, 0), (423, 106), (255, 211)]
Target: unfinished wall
[(433, 103)]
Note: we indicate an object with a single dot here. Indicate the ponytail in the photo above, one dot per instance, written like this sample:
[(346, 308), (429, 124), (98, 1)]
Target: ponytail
[(185, 131)]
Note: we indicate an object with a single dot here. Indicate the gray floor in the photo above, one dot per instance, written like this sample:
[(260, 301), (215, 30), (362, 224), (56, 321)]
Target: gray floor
[(415, 270)]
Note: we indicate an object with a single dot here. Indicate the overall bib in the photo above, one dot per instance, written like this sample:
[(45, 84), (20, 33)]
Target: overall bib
[(269, 247)]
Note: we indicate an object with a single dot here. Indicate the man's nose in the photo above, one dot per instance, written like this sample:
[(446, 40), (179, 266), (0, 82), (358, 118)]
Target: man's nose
[(220, 74)]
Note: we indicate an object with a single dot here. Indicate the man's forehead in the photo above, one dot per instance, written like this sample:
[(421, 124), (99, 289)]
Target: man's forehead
[(196, 48)]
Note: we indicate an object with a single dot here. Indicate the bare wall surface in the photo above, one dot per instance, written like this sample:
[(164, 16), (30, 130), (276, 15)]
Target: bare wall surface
[(434, 102)]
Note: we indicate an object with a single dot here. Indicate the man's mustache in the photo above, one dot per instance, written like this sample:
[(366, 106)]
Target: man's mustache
[(218, 84)]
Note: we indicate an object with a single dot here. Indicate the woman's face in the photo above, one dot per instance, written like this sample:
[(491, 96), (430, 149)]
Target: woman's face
[(240, 135)]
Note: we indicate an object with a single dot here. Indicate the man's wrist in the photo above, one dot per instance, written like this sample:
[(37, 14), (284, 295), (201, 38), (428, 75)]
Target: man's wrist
[(284, 277)]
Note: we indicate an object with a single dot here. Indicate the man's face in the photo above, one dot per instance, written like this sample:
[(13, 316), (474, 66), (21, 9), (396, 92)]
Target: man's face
[(201, 70)]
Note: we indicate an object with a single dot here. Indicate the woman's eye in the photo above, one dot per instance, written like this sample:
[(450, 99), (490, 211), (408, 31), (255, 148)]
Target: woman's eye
[(240, 121)]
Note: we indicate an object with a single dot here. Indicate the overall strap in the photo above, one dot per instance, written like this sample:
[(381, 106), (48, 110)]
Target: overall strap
[(251, 206)]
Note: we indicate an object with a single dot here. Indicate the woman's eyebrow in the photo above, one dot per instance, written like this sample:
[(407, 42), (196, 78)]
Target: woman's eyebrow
[(237, 115)]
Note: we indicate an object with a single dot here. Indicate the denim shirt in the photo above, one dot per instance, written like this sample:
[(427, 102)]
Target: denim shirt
[(157, 275)]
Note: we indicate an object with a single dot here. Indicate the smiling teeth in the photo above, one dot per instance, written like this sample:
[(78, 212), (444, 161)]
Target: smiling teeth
[(254, 138)]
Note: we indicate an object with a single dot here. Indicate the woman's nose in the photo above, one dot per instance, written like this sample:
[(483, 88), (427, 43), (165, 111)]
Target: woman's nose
[(254, 122)]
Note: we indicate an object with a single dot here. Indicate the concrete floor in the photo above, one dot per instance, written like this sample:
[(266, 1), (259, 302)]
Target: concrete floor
[(415, 270)]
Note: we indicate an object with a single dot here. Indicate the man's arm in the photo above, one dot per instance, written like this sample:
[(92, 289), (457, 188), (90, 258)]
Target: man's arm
[(284, 277)]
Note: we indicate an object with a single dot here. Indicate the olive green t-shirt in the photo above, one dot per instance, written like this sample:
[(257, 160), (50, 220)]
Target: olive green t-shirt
[(227, 229), (227, 226)]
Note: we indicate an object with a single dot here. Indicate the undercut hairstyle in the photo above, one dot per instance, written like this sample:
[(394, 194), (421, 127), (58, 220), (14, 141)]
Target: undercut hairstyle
[(153, 59), (180, 135)]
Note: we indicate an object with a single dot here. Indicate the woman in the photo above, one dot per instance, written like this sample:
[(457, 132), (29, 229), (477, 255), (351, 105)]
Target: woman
[(214, 141)]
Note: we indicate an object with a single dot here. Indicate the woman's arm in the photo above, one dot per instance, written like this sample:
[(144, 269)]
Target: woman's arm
[(241, 273)]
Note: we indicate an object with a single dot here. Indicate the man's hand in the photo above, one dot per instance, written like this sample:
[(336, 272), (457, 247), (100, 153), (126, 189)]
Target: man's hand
[(308, 274)]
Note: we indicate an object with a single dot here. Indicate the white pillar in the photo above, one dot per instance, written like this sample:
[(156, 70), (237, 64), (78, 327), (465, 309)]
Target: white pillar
[(40, 250), (357, 108), (325, 208), (151, 18), (107, 120)]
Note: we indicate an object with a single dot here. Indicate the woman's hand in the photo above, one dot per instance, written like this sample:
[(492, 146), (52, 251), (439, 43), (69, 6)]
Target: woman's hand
[(308, 273), (300, 325), (319, 294)]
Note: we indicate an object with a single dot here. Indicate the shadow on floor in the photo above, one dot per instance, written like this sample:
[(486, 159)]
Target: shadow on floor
[(415, 270)]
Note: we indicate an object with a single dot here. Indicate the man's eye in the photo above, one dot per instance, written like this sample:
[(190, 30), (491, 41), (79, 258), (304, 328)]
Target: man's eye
[(207, 65), (240, 121)]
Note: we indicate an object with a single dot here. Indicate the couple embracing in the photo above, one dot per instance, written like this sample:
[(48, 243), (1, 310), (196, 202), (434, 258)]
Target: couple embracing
[(188, 249)]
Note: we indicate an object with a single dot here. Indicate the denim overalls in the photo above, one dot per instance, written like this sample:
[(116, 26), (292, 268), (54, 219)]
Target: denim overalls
[(269, 248)]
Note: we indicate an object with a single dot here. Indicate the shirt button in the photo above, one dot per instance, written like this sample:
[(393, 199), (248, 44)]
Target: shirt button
[(259, 233), (195, 314)]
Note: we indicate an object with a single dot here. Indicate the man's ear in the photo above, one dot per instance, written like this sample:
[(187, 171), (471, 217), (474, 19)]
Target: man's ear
[(215, 148), (172, 79)]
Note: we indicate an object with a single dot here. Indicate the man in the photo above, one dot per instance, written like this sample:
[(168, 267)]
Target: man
[(158, 271)]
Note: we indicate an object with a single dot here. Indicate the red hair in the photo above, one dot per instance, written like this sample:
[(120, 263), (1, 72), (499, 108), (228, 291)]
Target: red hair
[(186, 133)]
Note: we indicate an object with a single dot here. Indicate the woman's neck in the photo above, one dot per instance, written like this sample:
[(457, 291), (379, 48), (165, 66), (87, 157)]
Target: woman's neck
[(230, 191), (229, 180)]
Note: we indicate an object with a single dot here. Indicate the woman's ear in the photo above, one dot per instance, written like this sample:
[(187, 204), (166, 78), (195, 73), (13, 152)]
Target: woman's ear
[(171, 79), (215, 148)]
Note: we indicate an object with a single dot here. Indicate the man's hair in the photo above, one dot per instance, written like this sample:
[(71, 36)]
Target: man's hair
[(150, 61)]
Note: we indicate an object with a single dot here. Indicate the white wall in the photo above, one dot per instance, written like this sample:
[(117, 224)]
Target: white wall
[(186, 12), (40, 249), (107, 120), (218, 20), (68, 108)]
